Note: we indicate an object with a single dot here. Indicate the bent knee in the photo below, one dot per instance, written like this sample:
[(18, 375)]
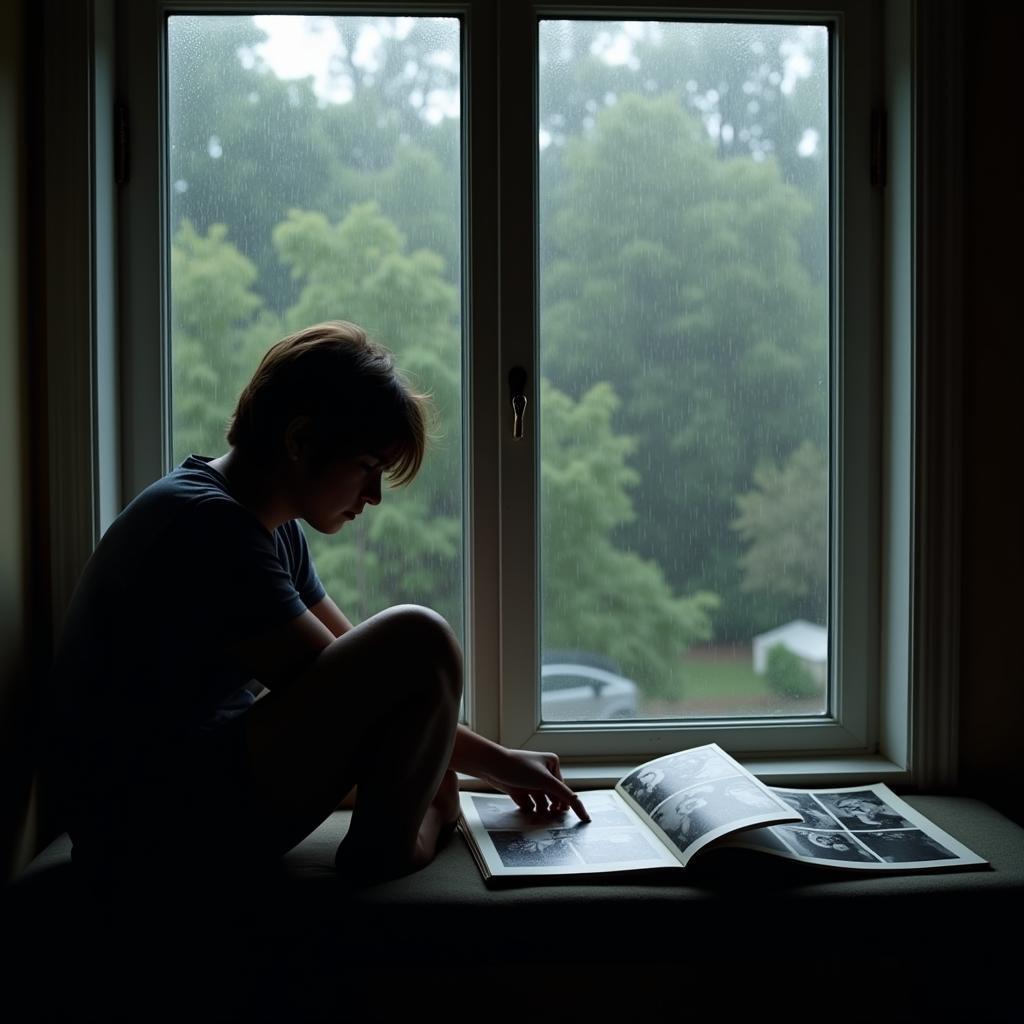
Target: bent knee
[(424, 639)]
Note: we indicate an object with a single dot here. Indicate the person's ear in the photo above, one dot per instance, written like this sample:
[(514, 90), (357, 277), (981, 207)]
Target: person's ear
[(296, 438)]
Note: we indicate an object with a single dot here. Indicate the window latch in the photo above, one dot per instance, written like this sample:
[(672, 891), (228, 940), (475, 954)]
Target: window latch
[(517, 386)]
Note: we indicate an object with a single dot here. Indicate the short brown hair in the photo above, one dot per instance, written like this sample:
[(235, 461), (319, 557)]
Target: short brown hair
[(348, 386)]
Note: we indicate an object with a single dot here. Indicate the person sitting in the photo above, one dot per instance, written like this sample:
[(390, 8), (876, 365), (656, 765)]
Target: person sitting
[(203, 592)]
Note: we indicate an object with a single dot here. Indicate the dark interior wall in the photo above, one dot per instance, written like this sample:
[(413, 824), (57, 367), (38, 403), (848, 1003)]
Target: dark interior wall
[(15, 516), (992, 662)]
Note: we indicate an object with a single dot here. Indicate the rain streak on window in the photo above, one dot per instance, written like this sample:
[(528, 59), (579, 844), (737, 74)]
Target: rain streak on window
[(315, 168), (684, 356)]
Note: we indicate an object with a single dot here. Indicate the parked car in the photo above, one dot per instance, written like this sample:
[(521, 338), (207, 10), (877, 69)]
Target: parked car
[(571, 691)]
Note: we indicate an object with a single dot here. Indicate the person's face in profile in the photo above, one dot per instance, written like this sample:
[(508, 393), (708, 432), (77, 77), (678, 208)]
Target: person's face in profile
[(340, 491)]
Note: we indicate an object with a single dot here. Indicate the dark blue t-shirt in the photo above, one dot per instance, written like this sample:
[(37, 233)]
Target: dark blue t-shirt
[(181, 574)]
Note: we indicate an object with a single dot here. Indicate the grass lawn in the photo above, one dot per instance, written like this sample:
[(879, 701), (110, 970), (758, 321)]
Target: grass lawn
[(724, 674), (721, 681)]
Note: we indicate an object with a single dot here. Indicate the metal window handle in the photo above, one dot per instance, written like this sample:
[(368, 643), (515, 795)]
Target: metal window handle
[(518, 408), (517, 385)]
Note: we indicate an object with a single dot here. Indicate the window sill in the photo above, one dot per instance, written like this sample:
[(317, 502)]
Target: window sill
[(801, 772)]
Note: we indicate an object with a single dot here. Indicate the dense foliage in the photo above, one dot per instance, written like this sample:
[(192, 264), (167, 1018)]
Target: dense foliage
[(788, 676), (684, 316)]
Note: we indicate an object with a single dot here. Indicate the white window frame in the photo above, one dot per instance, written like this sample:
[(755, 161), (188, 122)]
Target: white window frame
[(854, 362), (107, 377)]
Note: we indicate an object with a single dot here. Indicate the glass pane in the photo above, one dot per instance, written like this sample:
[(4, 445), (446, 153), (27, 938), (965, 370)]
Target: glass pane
[(314, 169), (684, 352)]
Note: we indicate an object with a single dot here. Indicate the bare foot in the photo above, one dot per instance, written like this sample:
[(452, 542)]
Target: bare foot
[(439, 822), (446, 800), (438, 826)]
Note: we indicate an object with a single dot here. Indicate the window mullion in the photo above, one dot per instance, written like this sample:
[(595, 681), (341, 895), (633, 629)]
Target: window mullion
[(482, 406), (519, 458), (145, 416)]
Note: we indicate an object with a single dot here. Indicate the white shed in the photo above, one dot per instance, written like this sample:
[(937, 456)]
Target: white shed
[(809, 642)]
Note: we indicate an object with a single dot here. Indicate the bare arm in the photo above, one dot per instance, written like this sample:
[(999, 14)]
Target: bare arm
[(279, 656), (331, 616), (328, 615), (531, 778), (473, 754)]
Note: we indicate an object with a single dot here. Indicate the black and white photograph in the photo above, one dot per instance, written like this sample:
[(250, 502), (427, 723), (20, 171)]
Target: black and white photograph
[(652, 784), (744, 793), (701, 764), (648, 786), (678, 816), (907, 847), (863, 811), (814, 815), (615, 846), (512, 841), (533, 849), (695, 812), (570, 848), (499, 812), (839, 846), (605, 812), (919, 847)]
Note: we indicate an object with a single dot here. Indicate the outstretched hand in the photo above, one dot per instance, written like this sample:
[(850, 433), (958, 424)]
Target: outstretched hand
[(534, 780)]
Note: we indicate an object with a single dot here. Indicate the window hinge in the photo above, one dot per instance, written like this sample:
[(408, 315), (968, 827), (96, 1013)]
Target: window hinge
[(120, 143), (879, 140)]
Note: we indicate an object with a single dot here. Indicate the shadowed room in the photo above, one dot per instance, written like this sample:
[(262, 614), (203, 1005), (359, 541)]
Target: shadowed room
[(684, 522)]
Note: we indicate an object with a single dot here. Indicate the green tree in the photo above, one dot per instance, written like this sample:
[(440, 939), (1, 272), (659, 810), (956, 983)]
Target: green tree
[(246, 146), (676, 275), (360, 269), (735, 81), (218, 332), (788, 676), (242, 141), (592, 589), (784, 523)]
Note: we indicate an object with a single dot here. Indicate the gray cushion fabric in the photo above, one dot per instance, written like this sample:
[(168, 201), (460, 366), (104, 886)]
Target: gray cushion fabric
[(454, 879), (728, 909)]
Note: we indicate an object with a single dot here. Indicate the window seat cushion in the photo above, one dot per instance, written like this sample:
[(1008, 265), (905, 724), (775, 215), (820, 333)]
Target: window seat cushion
[(296, 937)]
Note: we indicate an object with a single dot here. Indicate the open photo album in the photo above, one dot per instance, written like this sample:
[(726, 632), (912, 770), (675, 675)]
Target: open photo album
[(670, 809)]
